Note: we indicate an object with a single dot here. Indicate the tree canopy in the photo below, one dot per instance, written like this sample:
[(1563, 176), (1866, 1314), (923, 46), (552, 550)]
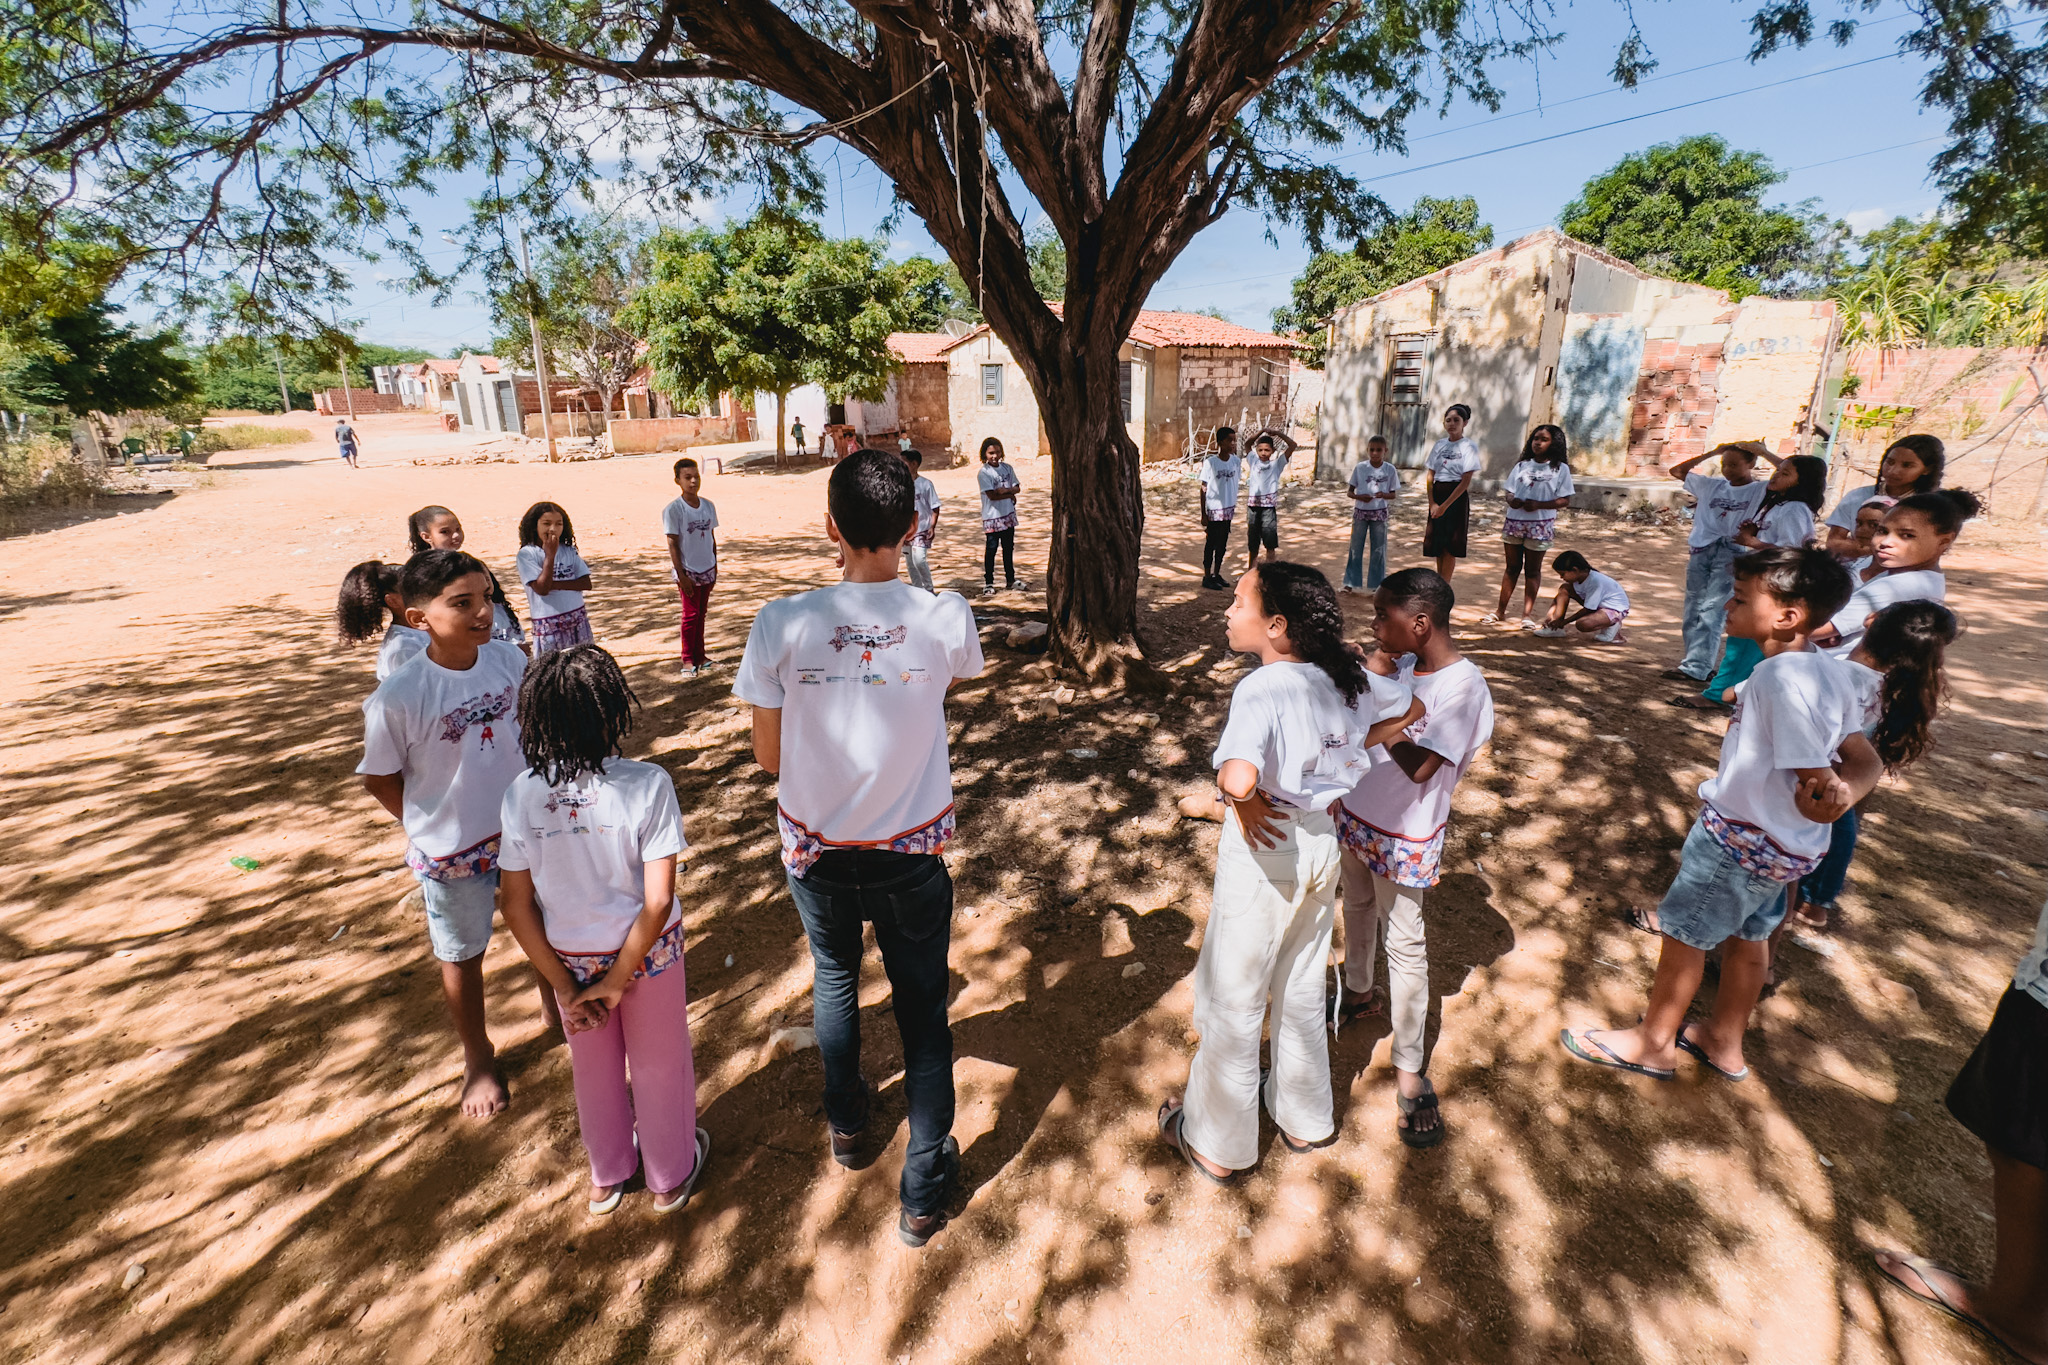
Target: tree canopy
[(1694, 210), (768, 305), (1431, 235), (90, 363)]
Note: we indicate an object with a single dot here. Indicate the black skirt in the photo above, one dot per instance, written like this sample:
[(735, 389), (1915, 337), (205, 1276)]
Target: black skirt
[(2001, 1094), (1445, 534)]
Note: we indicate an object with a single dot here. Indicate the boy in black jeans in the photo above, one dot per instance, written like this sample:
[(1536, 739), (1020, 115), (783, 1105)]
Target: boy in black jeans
[(848, 685)]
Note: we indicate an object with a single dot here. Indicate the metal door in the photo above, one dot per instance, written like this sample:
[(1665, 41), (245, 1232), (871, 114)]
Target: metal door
[(508, 405), (1404, 419)]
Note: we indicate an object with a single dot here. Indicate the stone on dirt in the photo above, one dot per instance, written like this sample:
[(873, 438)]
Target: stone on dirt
[(135, 1276)]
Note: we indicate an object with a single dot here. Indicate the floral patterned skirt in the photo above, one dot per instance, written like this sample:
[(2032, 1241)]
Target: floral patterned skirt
[(666, 953), (551, 633), (1402, 861)]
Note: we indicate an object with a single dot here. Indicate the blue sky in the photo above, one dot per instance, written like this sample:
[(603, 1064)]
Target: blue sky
[(1838, 134)]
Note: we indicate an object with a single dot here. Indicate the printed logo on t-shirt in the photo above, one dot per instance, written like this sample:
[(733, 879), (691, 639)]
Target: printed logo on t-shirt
[(810, 677), (1728, 502), (575, 803), (916, 675), (870, 639), (479, 711)]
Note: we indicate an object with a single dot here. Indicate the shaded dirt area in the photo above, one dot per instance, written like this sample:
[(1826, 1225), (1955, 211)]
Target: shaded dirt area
[(242, 1081)]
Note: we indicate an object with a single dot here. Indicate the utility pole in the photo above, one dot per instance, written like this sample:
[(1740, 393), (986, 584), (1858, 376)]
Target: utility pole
[(540, 359), (282, 391), (348, 392)]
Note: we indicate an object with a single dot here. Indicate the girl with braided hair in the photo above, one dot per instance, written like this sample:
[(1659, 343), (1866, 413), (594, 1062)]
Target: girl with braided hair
[(1295, 741), (589, 856)]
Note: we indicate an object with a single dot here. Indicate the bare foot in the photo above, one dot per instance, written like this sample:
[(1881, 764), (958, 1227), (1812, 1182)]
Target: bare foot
[(1209, 807), (1944, 1288), (483, 1090), (1724, 1055), (1629, 1045)]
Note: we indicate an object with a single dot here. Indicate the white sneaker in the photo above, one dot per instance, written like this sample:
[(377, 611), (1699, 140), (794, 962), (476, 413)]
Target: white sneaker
[(1549, 633)]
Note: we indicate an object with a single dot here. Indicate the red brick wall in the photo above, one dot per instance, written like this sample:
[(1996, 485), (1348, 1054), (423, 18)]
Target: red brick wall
[(333, 401), (1674, 405), (1953, 393)]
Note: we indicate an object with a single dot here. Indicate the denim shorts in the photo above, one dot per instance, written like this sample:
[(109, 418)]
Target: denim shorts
[(459, 915), (1714, 898)]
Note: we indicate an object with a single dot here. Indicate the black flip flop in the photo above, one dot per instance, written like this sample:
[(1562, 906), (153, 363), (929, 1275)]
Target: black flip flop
[(1920, 1265), (1172, 1118), (1695, 702), (1699, 1054), (1410, 1108), (1372, 1007), (1286, 1138), (1639, 918), (1607, 1057), (1680, 675)]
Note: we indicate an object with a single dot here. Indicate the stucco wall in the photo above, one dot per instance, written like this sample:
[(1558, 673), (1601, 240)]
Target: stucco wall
[(1770, 365), (921, 405), (1596, 382), (1014, 423)]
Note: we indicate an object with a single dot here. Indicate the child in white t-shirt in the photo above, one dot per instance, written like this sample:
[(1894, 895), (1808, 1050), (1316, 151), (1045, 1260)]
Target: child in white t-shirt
[(1263, 472), (1537, 486), (555, 577), (1294, 742), (436, 528), (690, 523), (591, 841), (1392, 824), (1912, 464), (917, 550), (370, 598), (1219, 475), (440, 745), (999, 490), (1374, 484), (848, 685), (1906, 553), (1763, 821), (1589, 603), (1723, 504)]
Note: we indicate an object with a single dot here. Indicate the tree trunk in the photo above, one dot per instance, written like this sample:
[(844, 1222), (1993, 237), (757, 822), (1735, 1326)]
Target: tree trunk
[(781, 427), (1098, 522)]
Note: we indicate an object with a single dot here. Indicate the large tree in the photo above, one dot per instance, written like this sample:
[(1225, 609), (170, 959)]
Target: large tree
[(578, 295), (1431, 235), (767, 305), (1694, 210), (276, 135)]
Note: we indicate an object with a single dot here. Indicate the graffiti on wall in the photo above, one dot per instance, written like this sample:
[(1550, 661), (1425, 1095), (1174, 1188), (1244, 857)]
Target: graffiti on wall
[(1738, 350)]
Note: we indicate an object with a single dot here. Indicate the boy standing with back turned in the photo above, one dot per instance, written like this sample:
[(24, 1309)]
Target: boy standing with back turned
[(848, 685)]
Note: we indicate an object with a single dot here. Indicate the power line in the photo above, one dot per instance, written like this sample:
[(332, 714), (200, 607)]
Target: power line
[(1857, 156)]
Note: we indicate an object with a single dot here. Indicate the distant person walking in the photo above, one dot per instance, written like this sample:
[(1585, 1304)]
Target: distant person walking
[(796, 434), (345, 438)]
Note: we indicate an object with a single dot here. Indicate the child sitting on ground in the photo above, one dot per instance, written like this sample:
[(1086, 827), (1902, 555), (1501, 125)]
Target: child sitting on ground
[(1589, 603), (440, 745), (917, 550), (437, 528), (369, 598), (1294, 742), (589, 865), (690, 525), (1763, 823)]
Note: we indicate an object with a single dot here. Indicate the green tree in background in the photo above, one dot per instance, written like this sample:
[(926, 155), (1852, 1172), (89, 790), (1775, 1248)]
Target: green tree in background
[(1694, 210), (1431, 235), (936, 294), (581, 286), (90, 363), (767, 305)]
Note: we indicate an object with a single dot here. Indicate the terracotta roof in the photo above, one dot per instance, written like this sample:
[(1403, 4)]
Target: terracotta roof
[(917, 348), (1158, 327), (441, 366)]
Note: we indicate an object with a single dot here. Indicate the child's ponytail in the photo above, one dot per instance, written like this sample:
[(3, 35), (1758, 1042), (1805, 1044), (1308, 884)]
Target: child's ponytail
[(361, 608), (1908, 642), (1315, 623), (1812, 488), (1946, 509)]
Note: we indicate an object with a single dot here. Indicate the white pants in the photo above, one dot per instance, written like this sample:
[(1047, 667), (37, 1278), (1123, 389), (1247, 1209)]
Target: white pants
[(1268, 937), (1374, 906), (918, 558)]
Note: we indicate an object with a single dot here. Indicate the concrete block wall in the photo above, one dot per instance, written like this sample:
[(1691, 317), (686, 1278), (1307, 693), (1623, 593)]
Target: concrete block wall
[(921, 405), (1955, 394), (337, 402), (1675, 400)]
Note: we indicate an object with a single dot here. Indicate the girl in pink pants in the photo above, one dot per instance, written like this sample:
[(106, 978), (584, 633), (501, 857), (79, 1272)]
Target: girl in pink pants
[(588, 871)]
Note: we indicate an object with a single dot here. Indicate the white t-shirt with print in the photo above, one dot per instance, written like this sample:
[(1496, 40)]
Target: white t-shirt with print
[(1600, 591), (692, 527), (1723, 507), (997, 475), (1220, 476), (1537, 481), (1380, 482), (454, 737), (1794, 711), (1852, 502), (587, 843), (1450, 461), (1262, 479), (1290, 722), (859, 672), (505, 627), (1788, 523), (401, 642), (1457, 722), (1887, 589), (925, 497), (560, 602)]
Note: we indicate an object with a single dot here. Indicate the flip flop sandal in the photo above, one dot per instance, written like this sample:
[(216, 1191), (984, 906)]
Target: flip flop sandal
[(1608, 1058), (1639, 918), (1698, 703), (679, 1197), (1680, 675), (1699, 1054), (1286, 1138), (1341, 1013), (1920, 1266), (1426, 1101), (1805, 919), (1172, 1120), (601, 1207)]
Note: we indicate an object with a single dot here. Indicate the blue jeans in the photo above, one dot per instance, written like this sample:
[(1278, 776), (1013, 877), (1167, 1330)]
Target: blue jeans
[(909, 899), (1369, 578), (1709, 582), (1822, 885)]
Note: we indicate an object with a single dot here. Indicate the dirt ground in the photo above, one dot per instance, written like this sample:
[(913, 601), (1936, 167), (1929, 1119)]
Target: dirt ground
[(241, 1082)]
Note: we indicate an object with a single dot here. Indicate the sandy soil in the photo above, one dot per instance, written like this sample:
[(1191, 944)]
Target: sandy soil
[(242, 1082)]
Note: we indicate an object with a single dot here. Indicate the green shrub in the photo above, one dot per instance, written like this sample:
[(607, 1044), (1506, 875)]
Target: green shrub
[(41, 473), (247, 436)]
